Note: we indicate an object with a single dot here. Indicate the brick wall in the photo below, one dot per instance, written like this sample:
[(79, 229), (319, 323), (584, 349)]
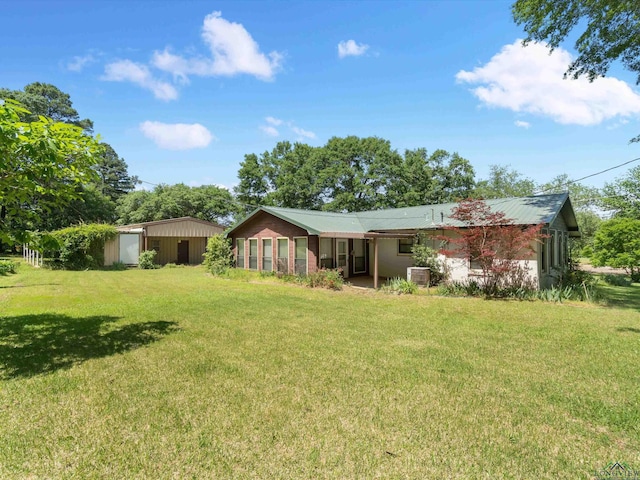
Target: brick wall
[(264, 225)]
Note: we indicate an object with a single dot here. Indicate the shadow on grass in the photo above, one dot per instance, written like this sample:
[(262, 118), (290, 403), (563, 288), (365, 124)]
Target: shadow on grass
[(32, 285), (36, 344), (622, 297), (628, 329)]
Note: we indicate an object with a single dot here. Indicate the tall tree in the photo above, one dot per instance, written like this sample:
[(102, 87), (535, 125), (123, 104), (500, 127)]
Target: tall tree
[(114, 179), (207, 202), (504, 182), (622, 196), (41, 163), (358, 173), (617, 244), (290, 175), (49, 101), (426, 179)]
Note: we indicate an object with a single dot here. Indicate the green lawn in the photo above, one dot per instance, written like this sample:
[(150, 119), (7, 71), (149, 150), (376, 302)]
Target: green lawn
[(174, 374)]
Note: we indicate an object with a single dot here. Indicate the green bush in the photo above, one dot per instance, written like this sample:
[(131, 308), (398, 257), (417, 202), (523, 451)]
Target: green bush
[(324, 278), (400, 286), (81, 247), (118, 266), (146, 260), (218, 257), (424, 256), (8, 266), (470, 288), (617, 280)]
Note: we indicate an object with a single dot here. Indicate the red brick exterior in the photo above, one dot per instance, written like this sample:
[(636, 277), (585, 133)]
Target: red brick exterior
[(264, 225)]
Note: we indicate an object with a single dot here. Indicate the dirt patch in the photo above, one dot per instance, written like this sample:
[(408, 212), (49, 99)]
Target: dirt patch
[(604, 270)]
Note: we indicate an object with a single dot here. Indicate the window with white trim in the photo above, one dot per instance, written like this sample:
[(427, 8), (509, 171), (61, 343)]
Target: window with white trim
[(283, 255), (267, 254), (253, 253), (240, 252), (300, 265)]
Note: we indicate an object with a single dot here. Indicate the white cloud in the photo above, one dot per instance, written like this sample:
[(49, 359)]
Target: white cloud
[(351, 48), (302, 133), (270, 130), (522, 124), (233, 51), (177, 136), (529, 79), (273, 121), (79, 62), (126, 70)]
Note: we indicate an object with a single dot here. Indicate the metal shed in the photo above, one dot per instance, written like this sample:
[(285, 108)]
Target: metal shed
[(177, 240)]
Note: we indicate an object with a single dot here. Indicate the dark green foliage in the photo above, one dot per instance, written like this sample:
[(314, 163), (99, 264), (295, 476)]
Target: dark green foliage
[(146, 260), (425, 256), (118, 266), (617, 280), (81, 247), (324, 278), (617, 244), (8, 266), (218, 257), (49, 101), (351, 174), (504, 182), (207, 202)]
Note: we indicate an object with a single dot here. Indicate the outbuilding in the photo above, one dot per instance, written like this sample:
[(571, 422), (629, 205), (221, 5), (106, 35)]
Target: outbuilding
[(176, 240)]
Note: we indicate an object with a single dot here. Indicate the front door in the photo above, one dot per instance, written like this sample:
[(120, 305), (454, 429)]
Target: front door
[(342, 251), (183, 251)]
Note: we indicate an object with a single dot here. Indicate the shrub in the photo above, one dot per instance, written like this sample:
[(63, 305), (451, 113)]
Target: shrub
[(81, 247), (400, 286), (324, 278), (470, 288), (617, 280), (424, 256), (218, 257), (8, 266), (118, 266), (146, 260)]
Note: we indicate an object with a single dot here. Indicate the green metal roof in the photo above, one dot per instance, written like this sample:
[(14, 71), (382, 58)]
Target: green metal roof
[(522, 210)]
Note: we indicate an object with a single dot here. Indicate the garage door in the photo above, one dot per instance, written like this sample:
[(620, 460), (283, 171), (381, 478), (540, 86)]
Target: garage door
[(129, 248)]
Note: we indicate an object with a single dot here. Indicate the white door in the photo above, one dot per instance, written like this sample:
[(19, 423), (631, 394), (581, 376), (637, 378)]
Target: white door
[(342, 252), (129, 248)]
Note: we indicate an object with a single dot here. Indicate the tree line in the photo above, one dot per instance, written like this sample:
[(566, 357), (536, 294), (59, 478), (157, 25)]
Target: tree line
[(346, 174)]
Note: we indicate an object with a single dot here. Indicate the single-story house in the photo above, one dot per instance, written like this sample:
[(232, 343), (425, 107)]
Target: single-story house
[(177, 240), (378, 243)]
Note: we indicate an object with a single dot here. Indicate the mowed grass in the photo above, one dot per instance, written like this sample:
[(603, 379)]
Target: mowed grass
[(174, 374)]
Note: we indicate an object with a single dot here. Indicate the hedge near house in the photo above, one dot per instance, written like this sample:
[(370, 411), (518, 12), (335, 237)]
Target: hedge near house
[(81, 247)]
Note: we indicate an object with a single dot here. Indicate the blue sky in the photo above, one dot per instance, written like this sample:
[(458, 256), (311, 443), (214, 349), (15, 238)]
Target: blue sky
[(183, 90)]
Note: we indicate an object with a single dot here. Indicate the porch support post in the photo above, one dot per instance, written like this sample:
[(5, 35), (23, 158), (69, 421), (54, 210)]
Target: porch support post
[(375, 263)]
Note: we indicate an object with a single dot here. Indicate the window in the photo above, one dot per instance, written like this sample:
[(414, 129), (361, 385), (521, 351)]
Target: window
[(155, 245), (240, 252), (553, 251), (267, 254), (326, 253), (543, 251), (359, 259), (253, 253), (283, 255), (300, 266), (405, 245)]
